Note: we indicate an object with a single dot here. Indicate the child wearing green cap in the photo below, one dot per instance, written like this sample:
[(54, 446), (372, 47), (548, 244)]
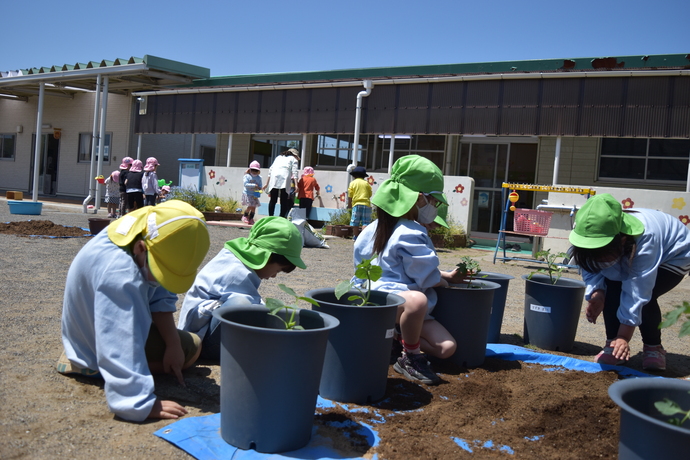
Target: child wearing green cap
[(406, 202), (629, 258), (120, 295), (233, 277)]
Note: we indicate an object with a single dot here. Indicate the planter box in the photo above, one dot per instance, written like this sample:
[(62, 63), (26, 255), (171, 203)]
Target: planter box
[(459, 241), (221, 216), (343, 231), (25, 207)]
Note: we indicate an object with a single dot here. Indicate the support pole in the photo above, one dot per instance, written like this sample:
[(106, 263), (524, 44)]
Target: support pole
[(139, 146), (101, 144), (391, 153), (39, 139), (94, 143), (227, 162), (556, 161)]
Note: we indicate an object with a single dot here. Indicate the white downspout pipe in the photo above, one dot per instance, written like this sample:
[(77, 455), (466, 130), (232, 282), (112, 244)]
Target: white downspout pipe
[(94, 141), (39, 138), (556, 161), (391, 154), (227, 162), (358, 116), (101, 144)]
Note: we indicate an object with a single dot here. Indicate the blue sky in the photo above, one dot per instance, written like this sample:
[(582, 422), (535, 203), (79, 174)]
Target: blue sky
[(268, 36)]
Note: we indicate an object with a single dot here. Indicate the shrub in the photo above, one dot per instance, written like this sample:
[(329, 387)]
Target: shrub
[(202, 201)]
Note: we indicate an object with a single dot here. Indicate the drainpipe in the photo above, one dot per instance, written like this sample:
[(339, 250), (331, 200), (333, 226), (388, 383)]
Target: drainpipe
[(39, 138), (358, 116), (303, 155), (556, 161), (94, 140), (101, 145)]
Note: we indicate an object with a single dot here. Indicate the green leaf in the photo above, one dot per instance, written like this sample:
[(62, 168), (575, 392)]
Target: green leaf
[(342, 288), (287, 290), (274, 305), (668, 407), (375, 273), (311, 301)]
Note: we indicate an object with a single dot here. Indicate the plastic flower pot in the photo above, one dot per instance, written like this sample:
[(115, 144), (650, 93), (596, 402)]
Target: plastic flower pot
[(270, 377), (465, 311), (644, 431), (499, 304), (355, 369), (96, 224), (552, 311)]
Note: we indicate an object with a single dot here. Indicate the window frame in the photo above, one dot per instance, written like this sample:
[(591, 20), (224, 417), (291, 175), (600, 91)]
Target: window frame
[(13, 155), (82, 157), (646, 158)]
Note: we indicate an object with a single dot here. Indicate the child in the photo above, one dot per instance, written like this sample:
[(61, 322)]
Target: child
[(164, 193), (306, 186), (252, 191), (358, 198), (117, 318), (410, 265), (124, 169), (233, 277), (628, 259), (149, 183), (112, 193), (135, 192)]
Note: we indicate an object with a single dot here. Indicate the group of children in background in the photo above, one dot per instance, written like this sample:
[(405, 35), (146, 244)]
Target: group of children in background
[(133, 186)]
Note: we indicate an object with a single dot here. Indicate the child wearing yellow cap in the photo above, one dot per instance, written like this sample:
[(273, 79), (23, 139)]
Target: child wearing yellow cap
[(120, 295), (233, 277), (407, 201), (629, 258)]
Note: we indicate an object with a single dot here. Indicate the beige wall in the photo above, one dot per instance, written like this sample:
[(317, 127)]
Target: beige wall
[(72, 116)]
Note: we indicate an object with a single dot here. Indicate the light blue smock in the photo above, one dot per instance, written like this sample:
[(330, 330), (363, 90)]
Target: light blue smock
[(665, 243), (106, 319), (409, 261)]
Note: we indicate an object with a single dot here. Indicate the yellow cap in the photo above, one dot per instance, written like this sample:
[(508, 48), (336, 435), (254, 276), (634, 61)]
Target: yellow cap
[(176, 238)]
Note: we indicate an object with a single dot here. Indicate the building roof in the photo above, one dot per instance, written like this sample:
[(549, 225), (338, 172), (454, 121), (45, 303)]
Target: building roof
[(124, 75), (576, 65)]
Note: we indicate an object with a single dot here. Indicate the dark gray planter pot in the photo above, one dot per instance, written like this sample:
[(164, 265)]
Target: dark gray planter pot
[(552, 311), (355, 368), (499, 304), (270, 377), (466, 313), (644, 431)]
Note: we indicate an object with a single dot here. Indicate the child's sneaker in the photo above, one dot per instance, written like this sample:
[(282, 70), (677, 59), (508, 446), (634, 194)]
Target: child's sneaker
[(245, 219), (653, 358), (415, 367), (250, 221), (605, 356)]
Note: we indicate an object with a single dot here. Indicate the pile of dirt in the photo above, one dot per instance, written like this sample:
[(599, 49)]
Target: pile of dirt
[(505, 409), (41, 228)]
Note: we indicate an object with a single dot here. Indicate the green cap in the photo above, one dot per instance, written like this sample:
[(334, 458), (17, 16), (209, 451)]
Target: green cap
[(599, 220), (268, 235), (442, 216), (410, 175)]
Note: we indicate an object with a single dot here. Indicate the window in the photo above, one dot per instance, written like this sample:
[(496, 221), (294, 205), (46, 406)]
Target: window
[(85, 148), (7, 142), (336, 149), (644, 160)]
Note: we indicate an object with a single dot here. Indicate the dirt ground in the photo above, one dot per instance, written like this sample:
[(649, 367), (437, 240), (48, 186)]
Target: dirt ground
[(503, 409)]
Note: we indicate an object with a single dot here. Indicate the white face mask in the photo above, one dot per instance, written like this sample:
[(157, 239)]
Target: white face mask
[(427, 213)]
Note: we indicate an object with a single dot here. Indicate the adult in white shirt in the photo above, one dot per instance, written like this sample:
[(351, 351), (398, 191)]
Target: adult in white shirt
[(282, 178)]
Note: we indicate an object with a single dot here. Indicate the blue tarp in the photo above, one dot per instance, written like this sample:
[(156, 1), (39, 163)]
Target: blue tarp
[(200, 436)]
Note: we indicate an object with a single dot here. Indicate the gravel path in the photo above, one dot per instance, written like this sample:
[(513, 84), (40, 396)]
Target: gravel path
[(46, 415)]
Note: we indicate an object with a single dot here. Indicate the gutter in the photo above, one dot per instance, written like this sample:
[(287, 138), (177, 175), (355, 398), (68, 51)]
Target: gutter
[(403, 81)]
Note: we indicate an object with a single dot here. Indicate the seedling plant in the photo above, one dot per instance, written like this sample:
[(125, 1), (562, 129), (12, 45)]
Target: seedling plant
[(668, 406), (275, 306), (367, 271), (553, 269), (469, 268)]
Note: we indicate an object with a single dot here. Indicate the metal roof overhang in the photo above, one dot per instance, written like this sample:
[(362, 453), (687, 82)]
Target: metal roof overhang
[(125, 76)]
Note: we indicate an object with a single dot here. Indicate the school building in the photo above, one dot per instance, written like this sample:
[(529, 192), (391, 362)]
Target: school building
[(607, 122)]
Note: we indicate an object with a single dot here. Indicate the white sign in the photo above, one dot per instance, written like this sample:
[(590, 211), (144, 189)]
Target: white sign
[(540, 308), (390, 333)]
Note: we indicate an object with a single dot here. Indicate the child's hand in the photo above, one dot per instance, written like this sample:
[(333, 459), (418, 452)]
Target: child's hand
[(621, 348), (166, 409), (595, 306), (173, 360)]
